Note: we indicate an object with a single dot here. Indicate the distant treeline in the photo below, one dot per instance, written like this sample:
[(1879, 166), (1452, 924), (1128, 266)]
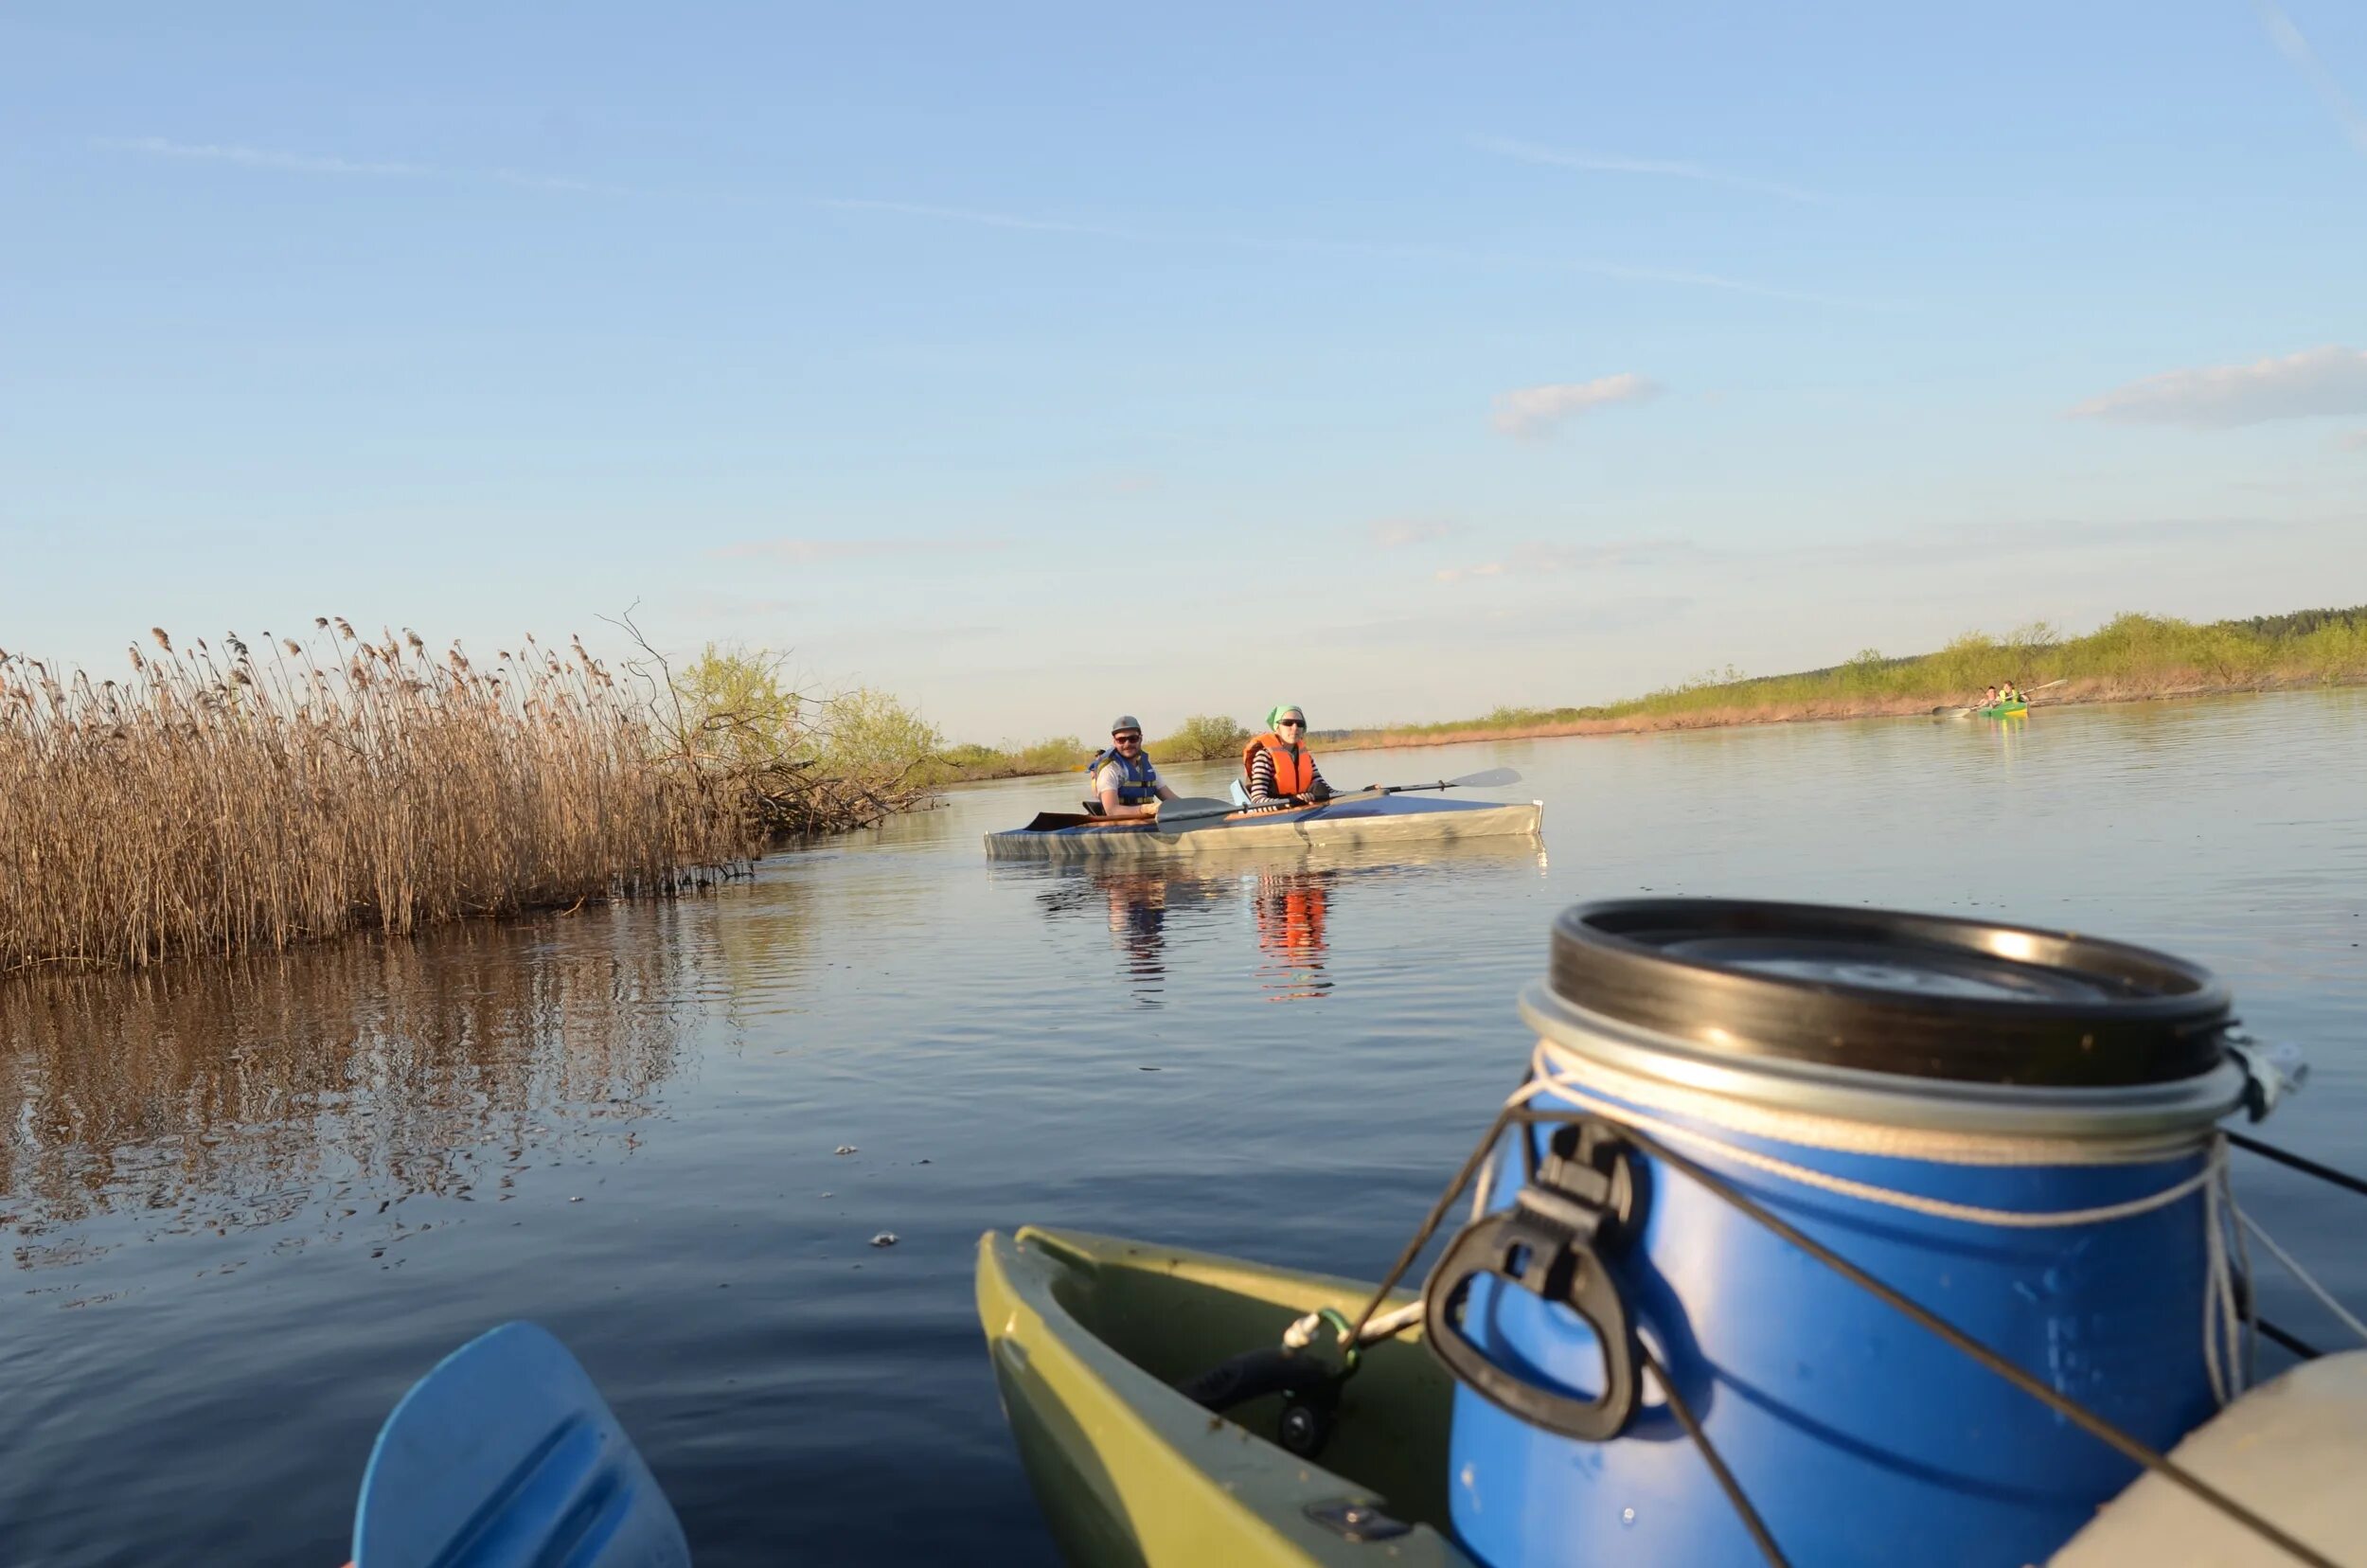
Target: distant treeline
[(1201, 738)]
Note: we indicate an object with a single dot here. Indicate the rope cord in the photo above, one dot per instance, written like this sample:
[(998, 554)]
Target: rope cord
[(2222, 1319), (2243, 1272), (1726, 1482), (1563, 1086), (1429, 1226), (2307, 1166), (1387, 1326), (1552, 1062), (2071, 1410), (2292, 1266), (2294, 1343)]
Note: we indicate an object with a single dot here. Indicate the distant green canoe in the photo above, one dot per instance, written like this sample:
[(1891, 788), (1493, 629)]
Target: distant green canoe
[(2001, 710), (1089, 1335)]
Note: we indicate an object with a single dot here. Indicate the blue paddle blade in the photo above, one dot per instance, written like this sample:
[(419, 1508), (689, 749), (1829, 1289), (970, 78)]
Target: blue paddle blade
[(505, 1457)]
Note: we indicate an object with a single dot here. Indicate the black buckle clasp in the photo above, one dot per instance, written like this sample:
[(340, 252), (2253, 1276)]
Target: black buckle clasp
[(1584, 1200)]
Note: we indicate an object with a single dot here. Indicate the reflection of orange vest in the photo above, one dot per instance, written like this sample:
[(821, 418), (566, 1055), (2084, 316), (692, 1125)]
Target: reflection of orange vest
[(1293, 766), (1290, 913)]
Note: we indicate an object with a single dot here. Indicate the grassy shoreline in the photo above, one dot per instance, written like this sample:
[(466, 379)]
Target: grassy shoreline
[(2130, 658), (2074, 693)]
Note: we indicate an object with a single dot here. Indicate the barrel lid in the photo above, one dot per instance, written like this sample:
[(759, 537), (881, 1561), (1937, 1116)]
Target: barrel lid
[(1928, 996)]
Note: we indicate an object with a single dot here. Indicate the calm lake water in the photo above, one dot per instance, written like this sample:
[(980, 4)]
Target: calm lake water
[(245, 1206)]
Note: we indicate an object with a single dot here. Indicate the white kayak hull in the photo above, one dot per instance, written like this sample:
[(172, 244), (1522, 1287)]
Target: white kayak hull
[(1143, 843)]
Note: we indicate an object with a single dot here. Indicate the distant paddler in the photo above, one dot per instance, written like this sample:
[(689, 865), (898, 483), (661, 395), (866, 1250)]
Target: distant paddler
[(1276, 766), (1122, 777)]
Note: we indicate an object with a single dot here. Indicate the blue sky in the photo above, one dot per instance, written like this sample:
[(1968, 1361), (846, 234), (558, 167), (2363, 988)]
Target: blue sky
[(1035, 362)]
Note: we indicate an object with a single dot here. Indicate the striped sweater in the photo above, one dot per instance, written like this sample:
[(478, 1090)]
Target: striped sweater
[(1261, 777)]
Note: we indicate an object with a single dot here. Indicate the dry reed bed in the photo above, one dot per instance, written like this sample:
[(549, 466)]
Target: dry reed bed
[(230, 800)]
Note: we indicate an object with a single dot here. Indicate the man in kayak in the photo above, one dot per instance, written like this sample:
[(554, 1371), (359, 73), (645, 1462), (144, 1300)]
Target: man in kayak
[(1988, 698), (1122, 777), (1278, 767)]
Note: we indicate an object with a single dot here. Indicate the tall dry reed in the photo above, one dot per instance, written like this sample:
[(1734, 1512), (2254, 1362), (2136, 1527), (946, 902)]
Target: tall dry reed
[(251, 798)]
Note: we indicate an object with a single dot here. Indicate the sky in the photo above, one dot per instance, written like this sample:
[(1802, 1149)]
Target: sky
[(1041, 362)]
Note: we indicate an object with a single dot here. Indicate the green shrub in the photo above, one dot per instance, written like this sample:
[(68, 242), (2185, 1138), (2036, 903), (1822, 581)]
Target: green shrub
[(1201, 738)]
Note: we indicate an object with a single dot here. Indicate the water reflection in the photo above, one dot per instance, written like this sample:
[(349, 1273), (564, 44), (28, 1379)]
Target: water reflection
[(233, 1097), (1154, 913), (1138, 903), (1292, 907)]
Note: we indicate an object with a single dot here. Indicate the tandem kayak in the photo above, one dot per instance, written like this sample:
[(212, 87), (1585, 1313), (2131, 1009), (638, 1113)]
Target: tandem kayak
[(2001, 710), (1089, 1337), (1349, 823)]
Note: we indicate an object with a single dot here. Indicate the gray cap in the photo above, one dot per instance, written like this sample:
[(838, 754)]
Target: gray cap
[(1124, 722)]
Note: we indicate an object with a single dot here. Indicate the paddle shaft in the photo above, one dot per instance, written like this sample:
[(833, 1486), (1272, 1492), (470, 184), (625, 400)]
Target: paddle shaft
[(1489, 777)]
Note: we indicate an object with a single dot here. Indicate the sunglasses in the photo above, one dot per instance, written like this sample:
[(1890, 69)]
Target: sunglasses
[(1292, 723), (1125, 740)]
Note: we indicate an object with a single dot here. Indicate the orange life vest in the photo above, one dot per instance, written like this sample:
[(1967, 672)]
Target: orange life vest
[(1293, 766)]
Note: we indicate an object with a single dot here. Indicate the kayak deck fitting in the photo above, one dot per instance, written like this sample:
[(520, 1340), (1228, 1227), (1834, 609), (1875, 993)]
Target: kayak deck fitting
[(1348, 823), (1089, 1334)]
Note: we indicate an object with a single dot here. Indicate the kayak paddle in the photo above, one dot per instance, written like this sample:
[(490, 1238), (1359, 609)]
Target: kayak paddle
[(504, 1456), (1177, 813), (1490, 780)]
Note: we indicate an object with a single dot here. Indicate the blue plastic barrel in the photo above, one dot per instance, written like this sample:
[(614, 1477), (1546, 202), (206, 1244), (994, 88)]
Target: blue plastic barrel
[(1857, 1434)]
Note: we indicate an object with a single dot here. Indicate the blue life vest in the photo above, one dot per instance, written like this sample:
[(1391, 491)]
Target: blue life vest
[(1138, 781)]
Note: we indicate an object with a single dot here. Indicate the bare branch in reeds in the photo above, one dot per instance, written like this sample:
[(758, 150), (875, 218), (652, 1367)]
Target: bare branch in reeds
[(797, 765)]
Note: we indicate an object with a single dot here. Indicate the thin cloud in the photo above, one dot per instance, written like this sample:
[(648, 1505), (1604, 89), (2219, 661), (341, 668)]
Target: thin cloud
[(1605, 163), (1397, 533), (707, 605), (816, 552), (973, 216), (257, 157), (2290, 44), (1544, 558), (1531, 411), (1515, 624), (308, 163), (2312, 383), (1386, 250), (2024, 540), (2354, 440)]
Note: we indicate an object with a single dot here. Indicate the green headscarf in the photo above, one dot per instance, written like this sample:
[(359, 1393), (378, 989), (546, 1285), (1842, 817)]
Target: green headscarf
[(1274, 714)]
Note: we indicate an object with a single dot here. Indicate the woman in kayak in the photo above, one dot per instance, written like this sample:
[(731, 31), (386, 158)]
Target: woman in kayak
[(1276, 766)]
